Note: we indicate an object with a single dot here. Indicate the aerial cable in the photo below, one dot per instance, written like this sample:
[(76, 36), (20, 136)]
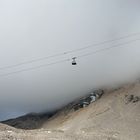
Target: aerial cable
[(102, 43), (34, 68), (68, 52), (104, 49), (121, 45), (108, 48)]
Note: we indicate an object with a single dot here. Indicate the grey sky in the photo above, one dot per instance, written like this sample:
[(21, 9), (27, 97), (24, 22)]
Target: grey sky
[(31, 29)]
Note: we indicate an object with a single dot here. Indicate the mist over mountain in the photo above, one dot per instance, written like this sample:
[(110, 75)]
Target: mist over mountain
[(32, 29)]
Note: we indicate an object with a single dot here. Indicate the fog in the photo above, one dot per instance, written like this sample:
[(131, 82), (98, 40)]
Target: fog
[(32, 29)]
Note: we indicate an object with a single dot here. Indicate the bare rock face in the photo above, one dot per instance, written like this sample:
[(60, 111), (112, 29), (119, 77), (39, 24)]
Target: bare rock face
[(136, 99), (29, 121), (87, 100), (131, 99)]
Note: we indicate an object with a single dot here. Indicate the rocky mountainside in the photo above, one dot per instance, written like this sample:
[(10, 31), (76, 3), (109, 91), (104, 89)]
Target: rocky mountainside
[(28, 122), (112, 115)]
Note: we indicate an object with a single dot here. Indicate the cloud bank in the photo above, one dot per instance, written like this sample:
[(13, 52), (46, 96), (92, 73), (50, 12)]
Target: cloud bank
[(32, 29)]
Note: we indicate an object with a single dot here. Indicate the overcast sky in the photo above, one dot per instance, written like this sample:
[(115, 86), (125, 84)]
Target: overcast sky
[(31, 29)]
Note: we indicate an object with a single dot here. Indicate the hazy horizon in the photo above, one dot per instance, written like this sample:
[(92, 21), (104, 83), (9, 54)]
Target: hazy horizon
[(32, 29)]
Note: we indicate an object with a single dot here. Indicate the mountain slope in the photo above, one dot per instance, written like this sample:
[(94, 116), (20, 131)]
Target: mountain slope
[(115, 116)]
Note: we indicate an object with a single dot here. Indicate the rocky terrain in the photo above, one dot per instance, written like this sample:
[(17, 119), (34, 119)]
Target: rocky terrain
[(115, 115)]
